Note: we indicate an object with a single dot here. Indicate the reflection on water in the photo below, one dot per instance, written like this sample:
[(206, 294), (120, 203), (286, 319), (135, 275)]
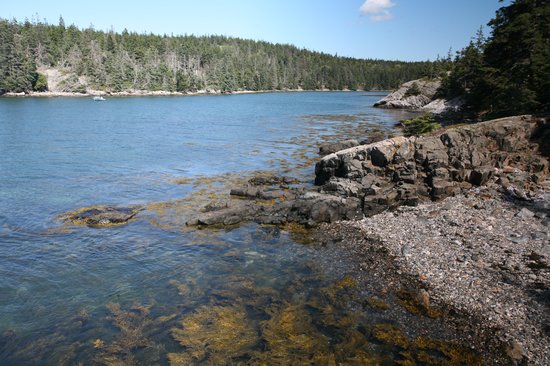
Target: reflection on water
[(156, 292)]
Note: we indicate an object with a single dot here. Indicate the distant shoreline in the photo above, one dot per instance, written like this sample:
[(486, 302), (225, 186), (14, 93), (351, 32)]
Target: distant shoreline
[(148, 93)]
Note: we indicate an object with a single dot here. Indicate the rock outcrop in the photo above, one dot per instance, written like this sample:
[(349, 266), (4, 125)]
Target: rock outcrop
[(307, 208), (367, 179), (413, 94), (404, 171), (420, 95), (441, 106)]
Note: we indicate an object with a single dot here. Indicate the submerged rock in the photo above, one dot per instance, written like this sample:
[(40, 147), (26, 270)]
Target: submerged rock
[(101, 216)]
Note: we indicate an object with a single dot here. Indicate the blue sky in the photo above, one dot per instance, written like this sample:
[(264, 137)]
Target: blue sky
[(385, 29)]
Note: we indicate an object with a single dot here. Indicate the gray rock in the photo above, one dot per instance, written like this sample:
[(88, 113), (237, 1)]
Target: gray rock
[(344, 187), (271, 180), (249, 192), (442, 188), (525, 213), (329, 148), (382, 154), (480, 175), (518, 239), (403, 99), (430, 152), (517, 193), (98, 216)]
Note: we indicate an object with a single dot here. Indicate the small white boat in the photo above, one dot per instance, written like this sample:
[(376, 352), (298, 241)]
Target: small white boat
[(99, 99)]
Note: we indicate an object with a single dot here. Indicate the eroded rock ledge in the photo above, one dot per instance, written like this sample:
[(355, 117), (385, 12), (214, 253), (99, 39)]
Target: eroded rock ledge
[(421, 95), (368, 179), (405, 171)]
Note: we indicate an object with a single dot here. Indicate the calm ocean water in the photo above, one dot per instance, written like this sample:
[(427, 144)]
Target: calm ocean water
[(146, 293)]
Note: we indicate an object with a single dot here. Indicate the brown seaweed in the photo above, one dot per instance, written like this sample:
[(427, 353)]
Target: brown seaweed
[(132, 325), (214, 335)]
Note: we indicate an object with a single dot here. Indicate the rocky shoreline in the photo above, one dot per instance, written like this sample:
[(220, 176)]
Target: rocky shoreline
[(422, 96), (481, 256), (462, 216), (368, 179), (481, 251)]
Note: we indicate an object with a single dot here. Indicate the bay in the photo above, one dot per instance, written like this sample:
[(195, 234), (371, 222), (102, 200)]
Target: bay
[(153, 291)]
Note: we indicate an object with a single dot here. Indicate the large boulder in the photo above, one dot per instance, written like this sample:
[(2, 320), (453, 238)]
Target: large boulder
[(421, 95), (412, 95)]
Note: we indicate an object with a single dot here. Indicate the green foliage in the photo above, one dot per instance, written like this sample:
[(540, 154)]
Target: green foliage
[(41, 83), (420, 125), (509, 73), (413, 90), (130, 61)]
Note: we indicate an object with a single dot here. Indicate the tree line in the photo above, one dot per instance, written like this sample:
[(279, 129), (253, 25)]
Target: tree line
[(130, 61), (509, 72)]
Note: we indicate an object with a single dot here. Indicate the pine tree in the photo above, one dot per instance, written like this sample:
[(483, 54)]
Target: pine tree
[(518, 57), (510, 72), (129, 61)]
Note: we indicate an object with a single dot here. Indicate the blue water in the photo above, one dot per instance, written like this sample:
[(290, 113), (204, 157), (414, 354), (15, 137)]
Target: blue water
[(59, 154)]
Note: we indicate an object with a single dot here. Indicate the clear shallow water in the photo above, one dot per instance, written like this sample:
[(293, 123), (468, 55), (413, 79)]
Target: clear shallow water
[(78, 294)]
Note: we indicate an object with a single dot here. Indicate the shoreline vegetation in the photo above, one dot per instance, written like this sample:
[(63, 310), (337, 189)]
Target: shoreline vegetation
[(37, 56), (147, 93)]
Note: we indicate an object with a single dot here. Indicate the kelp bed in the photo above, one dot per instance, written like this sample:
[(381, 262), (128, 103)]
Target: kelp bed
[(242, 319)]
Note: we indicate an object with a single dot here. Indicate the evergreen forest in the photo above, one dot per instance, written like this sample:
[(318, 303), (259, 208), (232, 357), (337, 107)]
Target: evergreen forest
[(110, 61), (508, 72)]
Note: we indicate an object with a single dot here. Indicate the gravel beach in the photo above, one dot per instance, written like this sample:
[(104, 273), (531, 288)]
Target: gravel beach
[(482, 255)]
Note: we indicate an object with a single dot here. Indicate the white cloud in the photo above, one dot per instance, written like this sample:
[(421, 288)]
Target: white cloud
[(378, 10)]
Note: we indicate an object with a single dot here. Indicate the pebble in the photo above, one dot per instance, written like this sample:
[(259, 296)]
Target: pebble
[(525, 213), (519, 240), (490, 278)]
